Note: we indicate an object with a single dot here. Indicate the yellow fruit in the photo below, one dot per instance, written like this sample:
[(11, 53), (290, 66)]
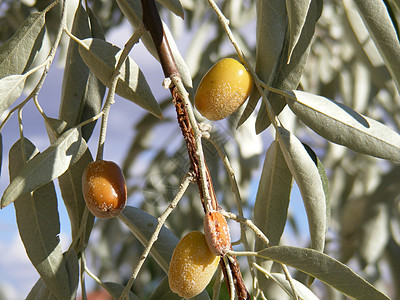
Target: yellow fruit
[(192, 265), (216, 231), (223, 89), (104, 188)]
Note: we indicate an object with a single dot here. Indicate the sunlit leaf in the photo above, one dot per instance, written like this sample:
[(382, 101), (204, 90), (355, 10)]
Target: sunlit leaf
[(307, 177), (17, 53), (287, 75), (102, 57), (173, 5), (303, 291), (46, 166), (142, 225), (297, 13), (71, 184), (273, 195), (271, 29), (82, 92), (380, 26), (326, 269), (39, 225), (40, 292), (342, 125), (11, 88)]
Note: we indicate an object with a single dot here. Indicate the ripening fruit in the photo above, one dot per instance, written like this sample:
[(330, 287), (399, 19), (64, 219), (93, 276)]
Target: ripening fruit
[(216, 231), (192, 265), (104, 188), (223, 89)]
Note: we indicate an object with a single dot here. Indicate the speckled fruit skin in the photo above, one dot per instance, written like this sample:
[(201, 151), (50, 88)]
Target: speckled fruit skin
[(104, 188), (216, 231), (192, 265), (223, 89)]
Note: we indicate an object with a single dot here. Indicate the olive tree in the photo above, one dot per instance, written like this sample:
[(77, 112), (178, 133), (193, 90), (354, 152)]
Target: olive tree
[(320, 125)]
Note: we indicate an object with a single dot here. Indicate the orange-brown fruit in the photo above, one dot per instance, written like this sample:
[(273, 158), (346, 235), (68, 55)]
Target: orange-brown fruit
[(223, 89), (216, 231), (104, 188), (192, 265)]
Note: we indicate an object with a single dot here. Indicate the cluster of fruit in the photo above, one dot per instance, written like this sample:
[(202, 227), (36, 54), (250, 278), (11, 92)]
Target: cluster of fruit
[(222, 90)]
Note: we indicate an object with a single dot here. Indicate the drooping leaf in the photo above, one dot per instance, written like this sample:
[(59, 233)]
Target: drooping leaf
[(342, 125), (102, 57), (40, 292), (273, 195), (132, 9), (11, 88), (17, 53), (82, 92), (297, 13), (287, 75), (72, 265), (173, 5), (380, 26), (46, 166), (70, 184), (303, 291), (324, 268), (142, 225), (306, 174), (116, 289), (39, 225), (271, 29)]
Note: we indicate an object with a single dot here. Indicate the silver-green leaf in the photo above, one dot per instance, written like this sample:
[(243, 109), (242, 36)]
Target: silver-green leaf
[(342, 125), (46, 166), (102, 57), (326, 269), (380, 26), (39, 225), (11, 88), (310, 184)]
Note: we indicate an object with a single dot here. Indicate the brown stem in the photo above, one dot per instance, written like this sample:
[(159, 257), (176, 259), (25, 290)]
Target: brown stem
[(152, 22)]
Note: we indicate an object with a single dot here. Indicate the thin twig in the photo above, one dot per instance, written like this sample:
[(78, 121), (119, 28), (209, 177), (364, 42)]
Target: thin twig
[(160, 222)]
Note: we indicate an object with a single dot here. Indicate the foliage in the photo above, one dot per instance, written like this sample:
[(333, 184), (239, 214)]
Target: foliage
[(327, 84)]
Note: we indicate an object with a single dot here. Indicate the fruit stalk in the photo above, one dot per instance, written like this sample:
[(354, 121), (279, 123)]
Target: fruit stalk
[(152, 22)]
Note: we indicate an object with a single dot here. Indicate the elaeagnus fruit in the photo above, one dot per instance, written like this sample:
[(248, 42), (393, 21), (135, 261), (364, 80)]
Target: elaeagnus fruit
[(192, 265), (223, 89), (104, 188)]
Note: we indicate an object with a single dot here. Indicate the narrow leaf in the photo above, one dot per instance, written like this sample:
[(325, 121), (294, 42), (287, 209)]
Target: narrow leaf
[(309, 182), (287, 75), (342, 125), (46, 166), (40, 292), (271, 29), (17, 53), (142, 225), (175, 6), (82, 92), (273, 195), (70, 184), (102, 57), (11, 88), (39, 225), (303, 291), (297, 13), (379, 24), (326, 269)]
